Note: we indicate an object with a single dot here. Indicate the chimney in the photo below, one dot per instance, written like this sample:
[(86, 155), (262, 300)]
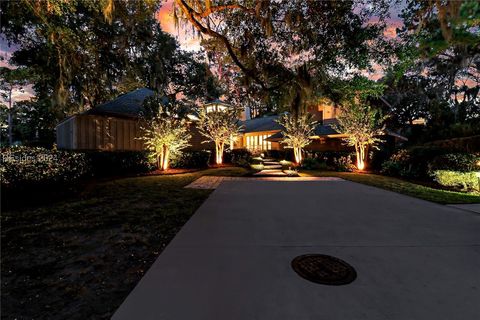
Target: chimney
[(245, 115)]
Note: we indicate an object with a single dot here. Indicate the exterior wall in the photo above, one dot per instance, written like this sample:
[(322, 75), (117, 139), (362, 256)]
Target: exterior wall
[(196, 140), (328, 144), (65, 134), (89, 132), (325, 112)]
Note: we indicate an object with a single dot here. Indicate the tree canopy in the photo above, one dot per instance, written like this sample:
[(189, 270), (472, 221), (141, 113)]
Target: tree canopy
[(287, 51), (83, 53)]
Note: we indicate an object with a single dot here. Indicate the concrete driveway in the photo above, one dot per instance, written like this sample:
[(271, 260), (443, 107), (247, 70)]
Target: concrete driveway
[(414, 259)]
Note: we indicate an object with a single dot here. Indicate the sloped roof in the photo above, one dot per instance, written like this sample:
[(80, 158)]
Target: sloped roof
[(217, 101), (261, 124), (324, 130), (129, 104)]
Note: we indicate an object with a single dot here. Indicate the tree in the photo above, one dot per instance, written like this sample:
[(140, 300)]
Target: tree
[(362, 125), (437, 74), (220, 127), (297, 132), (86, 52), (10, 80), (286, 51), (79, 49), (165, 134)]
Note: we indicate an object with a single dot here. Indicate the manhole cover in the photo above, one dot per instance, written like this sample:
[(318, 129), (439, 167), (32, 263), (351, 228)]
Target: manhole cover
[(323, 269)]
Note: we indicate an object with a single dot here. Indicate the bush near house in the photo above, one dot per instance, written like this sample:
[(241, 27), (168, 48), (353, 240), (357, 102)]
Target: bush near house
[(466, 181), (117, 163), (240, 157), (23, 167), (445, 167), (27, 167), (314, 164), (192, 160), (462, 162), (419, 162), (341, 161)]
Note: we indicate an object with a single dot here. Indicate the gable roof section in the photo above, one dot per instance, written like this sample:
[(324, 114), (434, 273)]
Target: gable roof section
[(127, 105), (217, 101)]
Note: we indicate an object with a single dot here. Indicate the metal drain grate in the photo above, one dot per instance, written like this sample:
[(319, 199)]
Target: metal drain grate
[(323, 269)]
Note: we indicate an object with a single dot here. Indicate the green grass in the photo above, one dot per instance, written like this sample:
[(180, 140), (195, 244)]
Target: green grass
[(79, 259), (401, 186)]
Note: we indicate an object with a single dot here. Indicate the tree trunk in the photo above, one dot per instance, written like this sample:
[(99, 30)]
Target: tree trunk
[(298, 154), (360, 150), (10, 118), (159, 161), (219, 152), (166, 158)]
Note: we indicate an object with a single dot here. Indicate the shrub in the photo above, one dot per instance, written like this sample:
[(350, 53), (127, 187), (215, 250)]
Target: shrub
[(240, 157), (335, 160), (399, 164), (257, 167), (343, 164), (463, 162), (112, 163), (419, 162), (314, 164), (464, 180), (192, 159), (26, 167)]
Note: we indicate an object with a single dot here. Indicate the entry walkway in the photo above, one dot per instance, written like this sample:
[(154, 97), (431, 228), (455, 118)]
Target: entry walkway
[(414, 259), (212, 182)]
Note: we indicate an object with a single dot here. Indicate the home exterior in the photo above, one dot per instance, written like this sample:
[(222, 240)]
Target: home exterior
[(115, 126), (264, 133)]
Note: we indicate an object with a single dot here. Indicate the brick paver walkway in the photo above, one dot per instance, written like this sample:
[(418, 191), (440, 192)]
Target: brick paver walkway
[(212, 182)]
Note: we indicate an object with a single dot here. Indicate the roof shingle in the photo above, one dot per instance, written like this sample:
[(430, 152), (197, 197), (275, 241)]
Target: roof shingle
[(129, 104)]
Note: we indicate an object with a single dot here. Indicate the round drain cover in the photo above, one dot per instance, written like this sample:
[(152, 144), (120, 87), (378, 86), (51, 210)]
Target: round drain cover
[(323, 269)]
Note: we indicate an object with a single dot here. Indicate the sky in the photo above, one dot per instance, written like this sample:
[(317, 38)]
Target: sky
[(186, 41)]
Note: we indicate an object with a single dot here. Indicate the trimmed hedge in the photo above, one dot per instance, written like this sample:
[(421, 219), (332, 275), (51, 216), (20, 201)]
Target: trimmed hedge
[(24, 166), (420, 162), (240, 157), (462, 162), (116, 163), (466, 181), (192, 160), (314, 164)]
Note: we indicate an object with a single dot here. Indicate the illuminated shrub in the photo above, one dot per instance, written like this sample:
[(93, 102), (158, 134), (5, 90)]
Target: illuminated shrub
[(465, 181)]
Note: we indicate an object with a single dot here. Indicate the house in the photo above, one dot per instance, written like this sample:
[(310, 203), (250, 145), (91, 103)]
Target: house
[(115, 126), (264, 133)]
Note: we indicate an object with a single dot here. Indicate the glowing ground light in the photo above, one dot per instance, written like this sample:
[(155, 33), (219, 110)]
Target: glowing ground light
[(361, 166)]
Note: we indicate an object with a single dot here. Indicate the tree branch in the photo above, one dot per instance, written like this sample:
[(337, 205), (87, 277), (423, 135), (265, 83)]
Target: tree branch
[(191, 16)]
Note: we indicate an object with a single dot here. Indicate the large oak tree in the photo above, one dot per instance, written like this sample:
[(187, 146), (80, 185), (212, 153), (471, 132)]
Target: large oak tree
[(287, 51)]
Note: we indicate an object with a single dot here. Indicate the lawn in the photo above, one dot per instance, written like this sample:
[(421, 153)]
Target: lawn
[(79, 259), (401, 186)]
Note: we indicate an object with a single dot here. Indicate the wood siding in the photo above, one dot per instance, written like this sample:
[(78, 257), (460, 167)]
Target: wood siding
[(197, 138), (89, 132)]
